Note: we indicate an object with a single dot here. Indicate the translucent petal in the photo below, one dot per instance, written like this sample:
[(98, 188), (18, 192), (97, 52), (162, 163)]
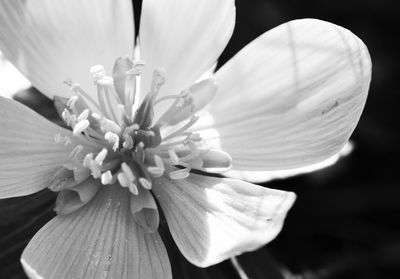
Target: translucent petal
[(184, 38), (100, 240), (264, 176), (291, 98), (29, 154), (51, 42), (212, 219)]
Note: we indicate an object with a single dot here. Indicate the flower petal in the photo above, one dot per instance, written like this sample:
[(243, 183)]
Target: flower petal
[(11, 80), (264, 176), (51, 42), (292, 97), (29, 154), (100, 240), (212, 219), (184, 38)]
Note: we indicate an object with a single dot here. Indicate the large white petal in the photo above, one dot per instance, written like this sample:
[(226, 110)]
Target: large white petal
[(11, 80), (184, 38), (100, 240), (52, 41), (292, 97), (212, 219), (29, 155), (264, 176)]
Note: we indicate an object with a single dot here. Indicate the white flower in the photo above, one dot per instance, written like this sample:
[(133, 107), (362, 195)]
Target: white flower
[(142, 123)]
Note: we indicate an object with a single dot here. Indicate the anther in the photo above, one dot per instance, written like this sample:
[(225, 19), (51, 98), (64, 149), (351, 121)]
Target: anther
[(145, 183), (105, 81), (128, 172), (128, 143), (108, 125), (113, 139), (84, 115), (96, 173), (133, 188), (157, 82), (86, 161), (179, 174), (98, 72), (106, 178), (156, 171), (158, 161), (101, 156), (122, 179), (173, 156), (71, 101), (80, 127)]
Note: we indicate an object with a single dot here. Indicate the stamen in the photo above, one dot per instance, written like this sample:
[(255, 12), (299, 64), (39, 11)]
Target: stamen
[(182, 129), (173, 156), (86, 161), (179, 174), (156, 171), (128, 143), (157, 82), (106, 178), (108, 125), (113, 139), (84, 115), (124, 182), (133, 188), (101, 156), (105, 81), (122, 179), (80, 127), (145, 183), (159, 162), (98, 72), (71, 102), (128, 172), (96, 173)]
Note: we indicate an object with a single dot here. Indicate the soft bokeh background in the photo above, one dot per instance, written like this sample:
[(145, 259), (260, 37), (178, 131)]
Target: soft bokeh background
[(345, 223)]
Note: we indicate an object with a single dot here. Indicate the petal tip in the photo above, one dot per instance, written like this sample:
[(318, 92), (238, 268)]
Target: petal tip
[(29, 270)]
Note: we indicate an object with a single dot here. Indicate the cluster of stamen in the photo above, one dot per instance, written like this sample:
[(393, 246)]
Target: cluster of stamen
[(122, 141)]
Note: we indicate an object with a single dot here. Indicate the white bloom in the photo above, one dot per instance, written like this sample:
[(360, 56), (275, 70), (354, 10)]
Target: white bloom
[(141, 124)]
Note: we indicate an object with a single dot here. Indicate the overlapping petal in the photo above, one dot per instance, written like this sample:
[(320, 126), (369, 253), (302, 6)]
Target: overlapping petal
[(290, 98), (100, 240), (52, 41), (212, 219), (29, 154), (183, 37)]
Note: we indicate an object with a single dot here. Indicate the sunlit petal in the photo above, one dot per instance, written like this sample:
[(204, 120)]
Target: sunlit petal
[(101, 240), (212, 219), (292, 97), (264, 176), (29, 154), (184, 38), (52, 41)]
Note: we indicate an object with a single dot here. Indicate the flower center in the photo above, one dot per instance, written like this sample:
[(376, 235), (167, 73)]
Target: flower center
[(117, 139)]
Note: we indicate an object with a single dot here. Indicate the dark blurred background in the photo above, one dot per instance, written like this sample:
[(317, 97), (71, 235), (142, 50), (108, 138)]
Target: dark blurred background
[(345, 221)]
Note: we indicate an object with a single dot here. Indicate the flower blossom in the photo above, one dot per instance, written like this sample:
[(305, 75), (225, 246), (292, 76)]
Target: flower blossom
[(146, 128)]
